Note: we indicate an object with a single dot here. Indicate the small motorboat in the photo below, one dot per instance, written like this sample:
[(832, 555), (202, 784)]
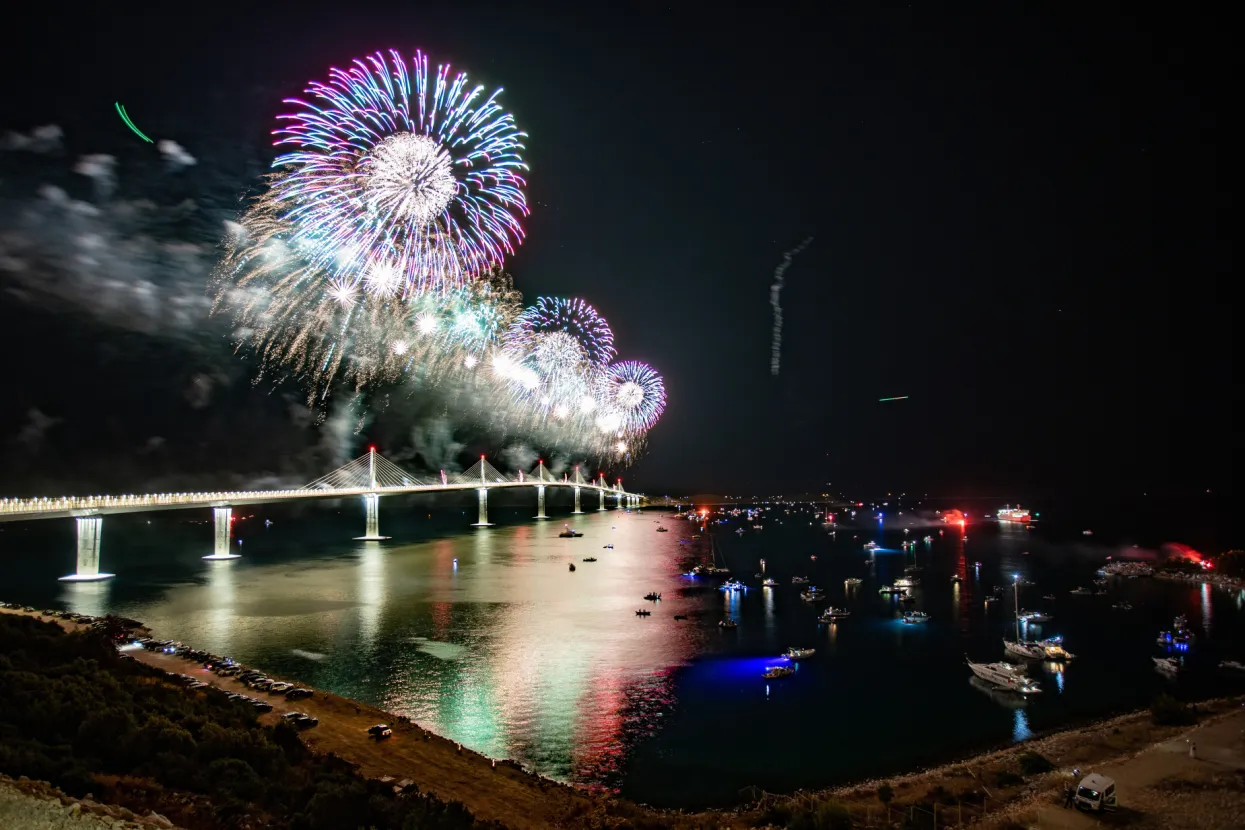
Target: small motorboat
[(813, 595), (570, 533), (775, 672), (794, 653), (915, 617), (1087, 533), (872, 546), (813, 557), (833, 614), (1035, 616), (853, 581), (1081, 591), (1235, 665), (1167, 665), (1049, 597), (956, 578), (662, 530), (731, 585), (642, 613), (572, 567), (1123, 606), (799, 580), (727, 624), (770, 583), (907, 599), (928, 539), (590, 559), (652, 596), (610, 546), (680, 616)]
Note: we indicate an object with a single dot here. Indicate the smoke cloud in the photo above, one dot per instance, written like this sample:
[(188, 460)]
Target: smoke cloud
[(776, 344)]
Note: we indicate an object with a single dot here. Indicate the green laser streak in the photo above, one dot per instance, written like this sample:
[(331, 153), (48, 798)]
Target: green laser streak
[(124, 117), (900, 398)]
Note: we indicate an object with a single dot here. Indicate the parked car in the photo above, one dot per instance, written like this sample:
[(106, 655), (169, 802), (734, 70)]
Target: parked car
[(380, 731), (298, 694), (301, 720)]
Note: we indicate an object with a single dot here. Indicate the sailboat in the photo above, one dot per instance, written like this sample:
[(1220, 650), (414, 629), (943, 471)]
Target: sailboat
[(711, 570), (1023, 648)]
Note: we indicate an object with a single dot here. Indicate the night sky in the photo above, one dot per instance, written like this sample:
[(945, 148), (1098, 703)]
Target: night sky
[(1018, 220)]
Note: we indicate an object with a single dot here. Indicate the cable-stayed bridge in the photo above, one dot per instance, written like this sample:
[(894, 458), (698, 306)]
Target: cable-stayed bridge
[(369, 476)]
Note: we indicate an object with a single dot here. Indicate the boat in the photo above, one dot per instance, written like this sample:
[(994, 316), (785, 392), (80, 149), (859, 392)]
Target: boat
[(662, 530), (813, 557), (1005, 676), (680, 616), (739, 532), (569, 534), (1054, 649), (813, 594), (1180, 622), (1049, 597), (913, 569), (831, 614), (610, 546), (1023, 648), (1122, 606), (1014, 514), (872, 546), (890, 589), (853, 580), (907, 582), (643, 613), (1081, 592), (775, 672), (1236, 665), (1176, 638), (907, 599), (1169, 665), (1087, 533), (928, 539), (732, 585), (770, 583), (756, 527), (572, 567), (794, 653), (915, 617), (799, 580), (652, 596), (1035, 616), (999, 696), (590, 559), (727, 624), (956, 578)]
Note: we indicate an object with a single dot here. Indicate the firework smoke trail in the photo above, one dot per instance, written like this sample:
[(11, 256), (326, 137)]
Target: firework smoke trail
[(775, 352)]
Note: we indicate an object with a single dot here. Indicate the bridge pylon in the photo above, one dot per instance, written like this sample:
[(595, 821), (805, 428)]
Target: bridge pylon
[(223, 519), (371, 506), (89, 531)]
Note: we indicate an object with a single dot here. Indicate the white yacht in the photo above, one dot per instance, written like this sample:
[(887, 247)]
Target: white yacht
[(853, 580), (1023, 648), (872, 546), (770, 583), (907, 582), (890, 589), (799, 580), (1034, 616), (731, 585), (833, 614), (1055, 650), (813, 595), (775, 672), (1081, 592), (798, 653), (915, 617), (1005, 676)]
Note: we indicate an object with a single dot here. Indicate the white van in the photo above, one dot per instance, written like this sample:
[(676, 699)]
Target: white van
[(1096, 792)]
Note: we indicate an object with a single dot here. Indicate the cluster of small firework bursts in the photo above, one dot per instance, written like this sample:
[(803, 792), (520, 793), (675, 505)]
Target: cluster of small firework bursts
[(375, 257)]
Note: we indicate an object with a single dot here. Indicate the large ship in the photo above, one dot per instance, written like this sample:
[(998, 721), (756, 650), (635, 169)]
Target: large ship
[(1014, 514)]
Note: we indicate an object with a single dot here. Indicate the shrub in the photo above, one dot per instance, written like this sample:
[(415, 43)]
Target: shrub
[(1007, 778), (1033, 763), (885, 793), (1167, 711)]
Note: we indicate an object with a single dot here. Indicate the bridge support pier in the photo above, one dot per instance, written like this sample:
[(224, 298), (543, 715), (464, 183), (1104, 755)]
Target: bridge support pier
[(483, 522), (89, 529), (576, 511), (600, 500), (540, 502), (372, 504), (618, 501), (224, 528)]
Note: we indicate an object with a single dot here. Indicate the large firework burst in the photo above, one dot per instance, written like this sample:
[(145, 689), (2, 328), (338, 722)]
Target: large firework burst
[(411, 175), (571, 317), (633, 397)]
